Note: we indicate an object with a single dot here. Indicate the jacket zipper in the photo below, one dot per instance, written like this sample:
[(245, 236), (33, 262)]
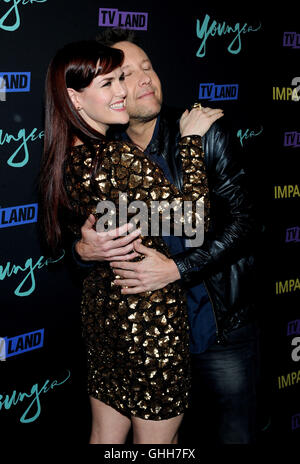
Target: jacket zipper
[(213, 310)]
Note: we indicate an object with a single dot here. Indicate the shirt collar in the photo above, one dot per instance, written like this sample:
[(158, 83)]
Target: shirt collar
[(152, 146)]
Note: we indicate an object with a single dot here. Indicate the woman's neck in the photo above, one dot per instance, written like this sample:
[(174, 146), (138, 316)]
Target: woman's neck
[(77, 141)]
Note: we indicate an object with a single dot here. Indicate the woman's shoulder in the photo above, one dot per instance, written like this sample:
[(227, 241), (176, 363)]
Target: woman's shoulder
[(88, 146), (124, 146), (97, 146)]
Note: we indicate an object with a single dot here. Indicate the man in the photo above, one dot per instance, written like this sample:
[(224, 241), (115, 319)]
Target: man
[(219, 275)]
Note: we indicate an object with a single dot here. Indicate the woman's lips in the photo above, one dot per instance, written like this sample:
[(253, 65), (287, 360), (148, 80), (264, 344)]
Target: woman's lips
[(118, 106)]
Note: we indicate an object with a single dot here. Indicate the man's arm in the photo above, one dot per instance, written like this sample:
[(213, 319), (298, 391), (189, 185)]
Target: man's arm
[(235, 228), (104, 246), (153, 272), (107, 246)]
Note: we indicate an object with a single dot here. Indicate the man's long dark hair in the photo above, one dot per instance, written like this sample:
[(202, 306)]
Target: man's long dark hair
[(74, 66)]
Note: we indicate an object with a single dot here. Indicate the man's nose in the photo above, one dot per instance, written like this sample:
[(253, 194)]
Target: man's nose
[(144, 79)]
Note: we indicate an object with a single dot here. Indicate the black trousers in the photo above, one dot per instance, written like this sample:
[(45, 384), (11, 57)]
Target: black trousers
[(224, 392)]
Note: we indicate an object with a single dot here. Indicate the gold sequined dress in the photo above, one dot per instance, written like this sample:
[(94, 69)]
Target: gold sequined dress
[(137, 345)]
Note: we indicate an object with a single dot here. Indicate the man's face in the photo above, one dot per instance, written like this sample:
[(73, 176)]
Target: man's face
[(144, 93)]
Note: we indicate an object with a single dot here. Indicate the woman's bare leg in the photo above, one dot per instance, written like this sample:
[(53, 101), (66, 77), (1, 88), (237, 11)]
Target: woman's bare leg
[(108, 425), (162, 431)]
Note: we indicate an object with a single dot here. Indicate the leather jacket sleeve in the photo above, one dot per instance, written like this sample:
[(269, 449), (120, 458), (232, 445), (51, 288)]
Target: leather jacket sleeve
[(77, 258), (233, 223)]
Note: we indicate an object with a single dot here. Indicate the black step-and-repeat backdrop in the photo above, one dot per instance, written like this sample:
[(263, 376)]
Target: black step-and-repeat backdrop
[(244, 60)]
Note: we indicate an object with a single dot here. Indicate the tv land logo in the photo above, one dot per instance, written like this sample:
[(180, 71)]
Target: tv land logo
[(293, 328), (292, 234), (18, 215), (218, 92), (112, 17), (291, 139), (291, 39), (14, 82), (295, 421), (21, 344)]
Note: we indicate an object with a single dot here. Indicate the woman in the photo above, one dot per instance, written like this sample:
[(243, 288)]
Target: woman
[(137, 345)]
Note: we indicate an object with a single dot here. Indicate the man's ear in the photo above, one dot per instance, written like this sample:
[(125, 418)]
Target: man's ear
[(74, 98)]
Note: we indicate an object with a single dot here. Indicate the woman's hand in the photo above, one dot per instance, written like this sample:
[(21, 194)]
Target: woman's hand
[(198, 121)]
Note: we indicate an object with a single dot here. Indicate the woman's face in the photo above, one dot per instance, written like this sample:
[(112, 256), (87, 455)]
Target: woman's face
[(103, 102)]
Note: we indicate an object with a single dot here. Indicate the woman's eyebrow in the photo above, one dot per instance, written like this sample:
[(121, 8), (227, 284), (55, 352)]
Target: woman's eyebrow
[(103, 79)]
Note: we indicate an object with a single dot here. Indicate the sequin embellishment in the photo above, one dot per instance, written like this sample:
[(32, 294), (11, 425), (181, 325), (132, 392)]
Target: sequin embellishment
[(137, 345)]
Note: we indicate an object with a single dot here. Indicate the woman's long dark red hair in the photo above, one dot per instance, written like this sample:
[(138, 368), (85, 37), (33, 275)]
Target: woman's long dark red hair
[(74, 66)]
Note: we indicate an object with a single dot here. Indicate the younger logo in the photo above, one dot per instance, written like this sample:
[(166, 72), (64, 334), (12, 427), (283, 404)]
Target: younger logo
[(247, 134), (218, 92), (112, 17), (212, 29), (10, 20), (15, 81)]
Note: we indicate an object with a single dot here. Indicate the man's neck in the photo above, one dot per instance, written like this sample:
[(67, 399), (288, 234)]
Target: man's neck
[(140, 133)]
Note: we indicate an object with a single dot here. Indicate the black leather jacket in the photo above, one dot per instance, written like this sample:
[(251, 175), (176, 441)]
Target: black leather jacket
[(225, 262)]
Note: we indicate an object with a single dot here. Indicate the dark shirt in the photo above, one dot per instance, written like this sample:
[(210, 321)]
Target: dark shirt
[(201, 316)]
